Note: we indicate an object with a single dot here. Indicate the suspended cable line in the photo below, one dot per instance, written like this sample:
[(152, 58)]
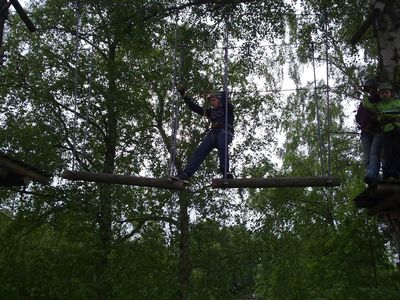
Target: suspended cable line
[(226, 91), (328, 102), (320, 152), (76, 79), (175, 102)]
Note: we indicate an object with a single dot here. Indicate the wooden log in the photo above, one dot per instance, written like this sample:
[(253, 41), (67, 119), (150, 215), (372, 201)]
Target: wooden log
[(162, 183), (3, 172), (276, 182), (23, 171)]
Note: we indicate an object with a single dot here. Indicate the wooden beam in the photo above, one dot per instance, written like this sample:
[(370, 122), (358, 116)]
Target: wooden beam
[(3, 172), (23, 171), (22, 14), (162, 183), (276, 182)]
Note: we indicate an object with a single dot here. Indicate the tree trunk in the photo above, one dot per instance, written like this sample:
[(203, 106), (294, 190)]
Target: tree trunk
[(184, 247), (387, 28), (103, 286)]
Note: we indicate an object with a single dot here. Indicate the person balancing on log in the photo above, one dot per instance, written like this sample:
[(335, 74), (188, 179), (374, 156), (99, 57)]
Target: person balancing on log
[(219, 136)]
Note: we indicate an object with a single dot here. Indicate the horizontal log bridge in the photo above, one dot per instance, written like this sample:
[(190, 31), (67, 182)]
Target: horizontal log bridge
[(20, 173), (123, 179), (276, 182)]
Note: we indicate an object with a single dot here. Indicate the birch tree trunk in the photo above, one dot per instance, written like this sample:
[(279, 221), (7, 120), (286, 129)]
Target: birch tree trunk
[(387, 28)]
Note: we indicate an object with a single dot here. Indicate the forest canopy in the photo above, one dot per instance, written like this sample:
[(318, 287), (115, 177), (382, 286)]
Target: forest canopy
[(94, 89)]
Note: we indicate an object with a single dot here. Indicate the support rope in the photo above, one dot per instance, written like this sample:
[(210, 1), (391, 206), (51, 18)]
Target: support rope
[(175, 104), (76, 61), (328, 112), (225, 88), (321, 148), (89, 97)]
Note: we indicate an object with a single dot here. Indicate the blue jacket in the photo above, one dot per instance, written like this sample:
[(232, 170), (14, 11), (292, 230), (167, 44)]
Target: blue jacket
[(216, 115)]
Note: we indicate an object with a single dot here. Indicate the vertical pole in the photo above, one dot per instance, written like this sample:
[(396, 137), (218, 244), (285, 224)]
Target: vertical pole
[(328, 101), (175, 106), (225, 88), (76, 61), (320, 142)]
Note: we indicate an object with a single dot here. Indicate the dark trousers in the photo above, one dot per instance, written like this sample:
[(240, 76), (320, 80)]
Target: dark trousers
[(216, 138), (372, 146), (391, 150)]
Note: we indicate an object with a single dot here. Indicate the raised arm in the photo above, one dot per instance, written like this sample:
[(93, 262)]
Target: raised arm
[(190, 103)]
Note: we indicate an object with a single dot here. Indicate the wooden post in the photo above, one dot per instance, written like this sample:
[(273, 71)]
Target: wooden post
[(385, 19), (387, 28), (276, 182), (123, 179)]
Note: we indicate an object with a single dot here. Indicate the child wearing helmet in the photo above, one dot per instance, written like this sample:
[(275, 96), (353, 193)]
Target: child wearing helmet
[(389, 118), (219, 136)]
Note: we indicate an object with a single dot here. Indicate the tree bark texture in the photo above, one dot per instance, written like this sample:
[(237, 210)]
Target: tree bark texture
[(162, 183), (387, 29)]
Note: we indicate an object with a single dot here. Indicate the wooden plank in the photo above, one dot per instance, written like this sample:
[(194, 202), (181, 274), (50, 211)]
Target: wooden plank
[(162, 183), (14, 181), (276, 182), (22, 170)]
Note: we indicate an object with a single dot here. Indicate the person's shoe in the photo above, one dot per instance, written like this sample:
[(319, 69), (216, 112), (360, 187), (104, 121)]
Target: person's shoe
[(228, 175), (181, 176)]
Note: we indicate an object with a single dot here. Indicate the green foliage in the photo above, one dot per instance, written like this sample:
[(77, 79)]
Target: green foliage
[(99, 97)]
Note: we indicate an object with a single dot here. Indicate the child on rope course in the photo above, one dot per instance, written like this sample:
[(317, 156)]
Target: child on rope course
[(389, 118), (219, 136)]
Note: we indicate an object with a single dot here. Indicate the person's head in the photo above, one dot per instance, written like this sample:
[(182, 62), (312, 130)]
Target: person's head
[(385, 91), (370, 86), (215, 100)]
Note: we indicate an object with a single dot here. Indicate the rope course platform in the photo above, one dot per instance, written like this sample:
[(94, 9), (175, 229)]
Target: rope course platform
[(380, 198), (276, 182), (162, 183)]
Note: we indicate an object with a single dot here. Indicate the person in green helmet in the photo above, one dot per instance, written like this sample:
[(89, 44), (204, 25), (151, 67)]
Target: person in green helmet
[(389, 118)]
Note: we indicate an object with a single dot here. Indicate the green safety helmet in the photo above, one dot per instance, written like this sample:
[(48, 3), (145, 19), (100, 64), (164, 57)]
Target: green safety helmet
[(385, 86)]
